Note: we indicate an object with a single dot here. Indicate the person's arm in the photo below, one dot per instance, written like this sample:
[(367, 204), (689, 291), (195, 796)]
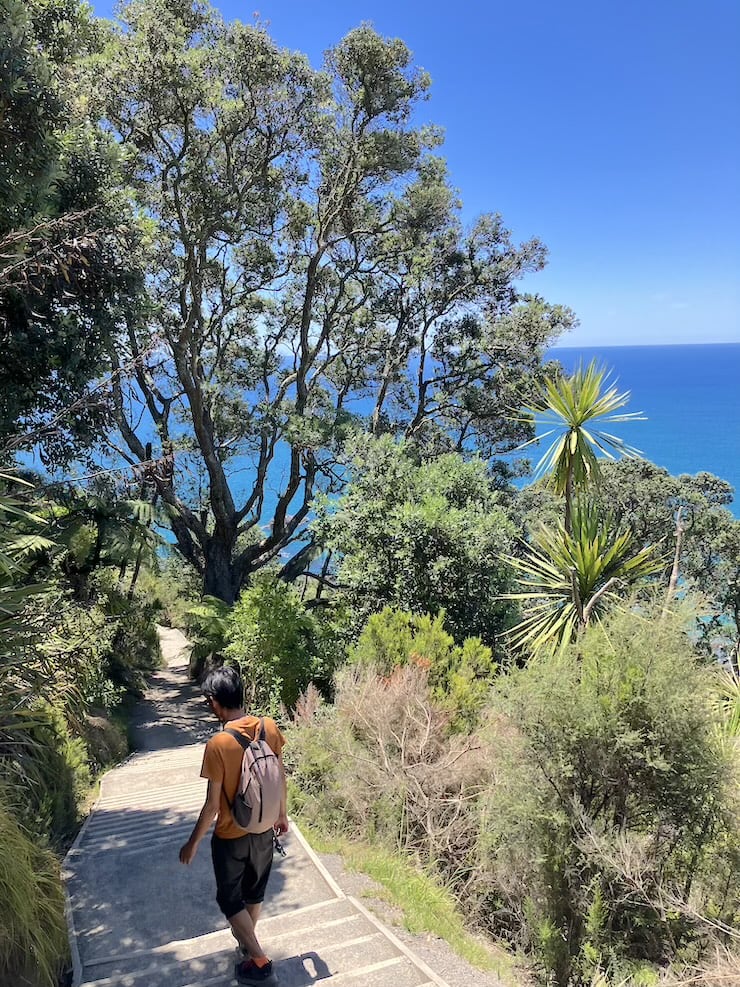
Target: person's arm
[(207, 814), (282, 825)]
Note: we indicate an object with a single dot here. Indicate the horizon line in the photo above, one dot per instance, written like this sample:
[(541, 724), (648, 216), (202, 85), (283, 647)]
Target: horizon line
[(620, 346)]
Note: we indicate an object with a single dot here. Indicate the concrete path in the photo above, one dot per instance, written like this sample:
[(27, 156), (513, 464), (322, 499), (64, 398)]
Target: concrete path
[(138, 918)]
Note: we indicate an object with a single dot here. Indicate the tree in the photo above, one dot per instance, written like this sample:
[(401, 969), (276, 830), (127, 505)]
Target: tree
[(576, 407), (646, 499), (100, 529), (707, 557), (309, 275), (67, 241), (421, 538), (571, 571), (280, 645)]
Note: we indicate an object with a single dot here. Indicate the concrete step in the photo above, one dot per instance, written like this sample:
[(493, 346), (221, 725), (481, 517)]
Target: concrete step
[(130, 895), (155, 775), (334, 940), (126, 825)]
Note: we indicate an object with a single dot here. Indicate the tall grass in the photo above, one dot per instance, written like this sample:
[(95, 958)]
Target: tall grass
[(32, 927)]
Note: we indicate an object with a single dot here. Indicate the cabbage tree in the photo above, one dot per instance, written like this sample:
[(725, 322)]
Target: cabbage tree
[(569, 577), (574, 410)]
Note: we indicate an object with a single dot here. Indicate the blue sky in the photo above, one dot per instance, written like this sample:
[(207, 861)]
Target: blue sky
[(609, 129)]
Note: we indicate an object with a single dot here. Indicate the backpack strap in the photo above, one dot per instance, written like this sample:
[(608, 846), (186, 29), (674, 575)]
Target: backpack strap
[(243, 741)]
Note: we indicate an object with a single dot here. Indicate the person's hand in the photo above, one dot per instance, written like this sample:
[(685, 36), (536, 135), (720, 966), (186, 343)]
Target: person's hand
[(281, 826), (187, 852)]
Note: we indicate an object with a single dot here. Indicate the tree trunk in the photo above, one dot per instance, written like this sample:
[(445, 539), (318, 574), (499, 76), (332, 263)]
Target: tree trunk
[(137, 570), (569, 501), (675, 568), (220, 578)]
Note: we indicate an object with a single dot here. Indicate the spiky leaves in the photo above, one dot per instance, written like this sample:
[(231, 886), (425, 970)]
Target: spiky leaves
[(574, 410), (569, 577)]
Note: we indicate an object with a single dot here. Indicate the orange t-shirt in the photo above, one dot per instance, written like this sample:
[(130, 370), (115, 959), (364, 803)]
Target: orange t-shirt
[(222, 761)]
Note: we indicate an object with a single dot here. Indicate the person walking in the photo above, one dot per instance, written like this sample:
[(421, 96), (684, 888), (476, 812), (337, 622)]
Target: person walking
[(241, 859)]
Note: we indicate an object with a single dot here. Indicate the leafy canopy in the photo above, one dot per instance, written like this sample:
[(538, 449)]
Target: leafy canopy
[(420, 537)]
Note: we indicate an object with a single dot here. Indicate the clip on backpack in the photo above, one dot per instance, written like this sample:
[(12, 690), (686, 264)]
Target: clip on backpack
[(256, 806)]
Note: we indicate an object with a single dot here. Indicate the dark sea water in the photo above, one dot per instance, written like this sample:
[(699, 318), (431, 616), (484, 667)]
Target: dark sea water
[(691, 397)]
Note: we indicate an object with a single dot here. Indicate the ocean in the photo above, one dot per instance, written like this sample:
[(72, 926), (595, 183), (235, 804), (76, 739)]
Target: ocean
[(690, 395)]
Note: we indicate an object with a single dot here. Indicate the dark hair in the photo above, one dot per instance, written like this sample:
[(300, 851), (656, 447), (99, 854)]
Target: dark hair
[(225, 686)]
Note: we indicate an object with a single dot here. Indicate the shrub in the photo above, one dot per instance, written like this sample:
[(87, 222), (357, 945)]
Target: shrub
[(380, 765), (460, 676), (52, 779), (106, 741), (207, 625), (172, 587), (34, 933), (279, 644), (420, 537), (611, 796), (134, 651)]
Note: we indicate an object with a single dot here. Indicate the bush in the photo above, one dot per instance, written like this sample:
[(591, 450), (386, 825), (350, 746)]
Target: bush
[(134, 653), (34, 933), (52, 779), (421, 537), (172, 587), (207, 626), (460, 677), (279, 645), (106, 741), (380, 765), (593, 819), (611, 797)]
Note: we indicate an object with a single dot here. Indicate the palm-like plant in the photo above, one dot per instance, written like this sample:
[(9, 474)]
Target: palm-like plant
[(98, 529), (573, 410), (569, 577)]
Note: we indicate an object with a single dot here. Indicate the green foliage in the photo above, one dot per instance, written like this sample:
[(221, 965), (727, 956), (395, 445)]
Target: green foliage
[(570, 576), (574, 409), (58, 780), (572, 405), (207, 626), (31, 111), (134, 652), (172, 586), (647, 498), (67, 238), (381, 765), (33, 943), (58, 658), (592, 820), (421, 538), (279, 645), (611, 798), (460, 676)]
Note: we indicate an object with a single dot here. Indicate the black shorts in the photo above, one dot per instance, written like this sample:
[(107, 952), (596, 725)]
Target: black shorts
[(242, 867)]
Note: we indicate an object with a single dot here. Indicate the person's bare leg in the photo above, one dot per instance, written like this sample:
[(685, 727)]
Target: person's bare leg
[(254, 913), (243, 928)]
